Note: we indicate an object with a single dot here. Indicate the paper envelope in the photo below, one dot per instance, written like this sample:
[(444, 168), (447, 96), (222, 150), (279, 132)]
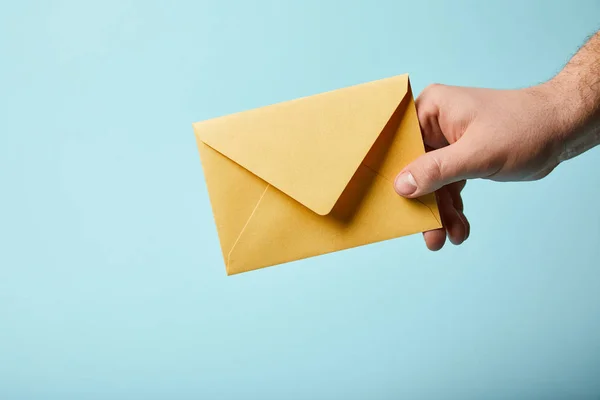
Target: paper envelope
[(313, 175)]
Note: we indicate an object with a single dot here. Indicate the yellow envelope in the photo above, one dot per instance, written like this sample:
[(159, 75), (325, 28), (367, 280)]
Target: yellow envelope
[(313, 175)]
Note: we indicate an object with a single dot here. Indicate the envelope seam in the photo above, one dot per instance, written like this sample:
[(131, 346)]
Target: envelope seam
[(419, 200), (432, 213), (246, 224), (376, 173)]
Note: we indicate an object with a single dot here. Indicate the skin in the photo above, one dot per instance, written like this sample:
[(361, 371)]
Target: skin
[(502, 135)]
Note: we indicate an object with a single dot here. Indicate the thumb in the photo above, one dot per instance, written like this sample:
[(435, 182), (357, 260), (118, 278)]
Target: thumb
[(433, 170)]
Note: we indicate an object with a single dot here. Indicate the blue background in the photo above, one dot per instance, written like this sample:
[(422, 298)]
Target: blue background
[(111, 278)]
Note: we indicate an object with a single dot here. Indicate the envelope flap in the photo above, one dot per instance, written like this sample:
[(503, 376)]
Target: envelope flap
[(308, 148)]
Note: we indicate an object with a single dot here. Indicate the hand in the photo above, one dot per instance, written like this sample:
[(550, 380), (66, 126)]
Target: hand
[(503, 135)]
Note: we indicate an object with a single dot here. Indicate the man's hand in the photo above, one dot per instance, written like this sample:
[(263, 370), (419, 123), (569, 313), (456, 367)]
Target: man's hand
[(503, 135)]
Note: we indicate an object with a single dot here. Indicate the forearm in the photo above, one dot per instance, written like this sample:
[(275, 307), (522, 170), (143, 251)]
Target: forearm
[(577, 89)]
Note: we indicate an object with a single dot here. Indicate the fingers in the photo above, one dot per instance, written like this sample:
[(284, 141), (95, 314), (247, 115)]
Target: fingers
[(455, 190), (456, 225), (443, 169), (467, 225), (428, 112), (452, 220), (448, 159), (435, 239), (435, 169)]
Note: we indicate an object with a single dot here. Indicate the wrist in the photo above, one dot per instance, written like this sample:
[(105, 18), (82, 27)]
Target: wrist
[(574, 112)]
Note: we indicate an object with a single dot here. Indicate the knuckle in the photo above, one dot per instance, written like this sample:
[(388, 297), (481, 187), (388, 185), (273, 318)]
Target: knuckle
[(432, 170), (432, 86), (424, 115), (433, 90), (428, 100)]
